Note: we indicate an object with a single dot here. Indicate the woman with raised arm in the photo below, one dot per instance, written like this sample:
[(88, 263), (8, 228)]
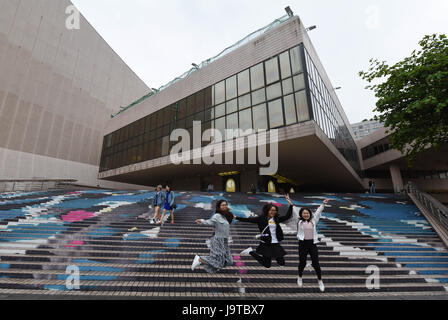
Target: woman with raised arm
[(271, 235), (307, 235), (220, 255)]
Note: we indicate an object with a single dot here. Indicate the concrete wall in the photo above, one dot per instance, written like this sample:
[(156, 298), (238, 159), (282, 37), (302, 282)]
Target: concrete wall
[(58, 87)]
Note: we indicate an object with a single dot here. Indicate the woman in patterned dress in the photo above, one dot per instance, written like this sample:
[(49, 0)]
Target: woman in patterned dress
[(220, 255)]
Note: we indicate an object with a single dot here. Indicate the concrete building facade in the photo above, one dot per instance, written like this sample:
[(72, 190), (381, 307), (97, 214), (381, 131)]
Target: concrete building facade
[(275, 81), (58, 88)]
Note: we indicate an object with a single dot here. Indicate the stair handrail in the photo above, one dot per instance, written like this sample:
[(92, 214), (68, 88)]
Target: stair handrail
[(433, 206)]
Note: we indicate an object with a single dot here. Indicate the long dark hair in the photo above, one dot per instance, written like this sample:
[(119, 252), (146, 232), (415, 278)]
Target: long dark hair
[(265, 211), (226, 214), (301, 211)]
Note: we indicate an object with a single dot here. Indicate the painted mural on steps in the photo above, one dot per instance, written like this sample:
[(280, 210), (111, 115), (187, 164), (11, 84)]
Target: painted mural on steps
[(108, 236)]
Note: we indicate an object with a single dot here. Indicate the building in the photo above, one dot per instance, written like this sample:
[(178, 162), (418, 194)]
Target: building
[(58, 88), (272, 81), (391, 170), (364, 128)]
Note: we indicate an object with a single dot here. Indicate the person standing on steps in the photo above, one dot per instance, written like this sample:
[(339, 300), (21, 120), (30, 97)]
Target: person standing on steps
[(158, 201), (169, 204), (307, 235), (220, 255), (271, 234)]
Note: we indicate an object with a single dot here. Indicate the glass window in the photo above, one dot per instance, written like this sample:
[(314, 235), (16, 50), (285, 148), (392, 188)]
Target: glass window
[(258, 96), (165, 146), (199, 101), (243, 82), (232, 121), (181, 109), (272, 73), (290, 110), (274, 91), (220, 124), (275, 114), (232, 106), (244, 101), (299, 82), (220, 110), (208, 97), (260, 117), (231, 88), (245, 117), (285, 66), (296, 60), (257, 76), (220, 93), (287, 86), (302, 106)]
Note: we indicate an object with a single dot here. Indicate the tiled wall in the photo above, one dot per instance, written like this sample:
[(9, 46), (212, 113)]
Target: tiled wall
[(58, 87)]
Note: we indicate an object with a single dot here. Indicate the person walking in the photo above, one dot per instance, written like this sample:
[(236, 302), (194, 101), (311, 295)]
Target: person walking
[(307, 236), (271, 234), (158, 201), (220, 255), (169, 204)]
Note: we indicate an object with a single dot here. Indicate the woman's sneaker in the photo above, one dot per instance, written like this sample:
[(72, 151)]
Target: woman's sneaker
[(196, 263), (321, 286), (299, 282), (247, 251)]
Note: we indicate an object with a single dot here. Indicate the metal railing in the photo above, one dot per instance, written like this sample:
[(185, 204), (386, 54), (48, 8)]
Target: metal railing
[(437, 210), (35, 185)]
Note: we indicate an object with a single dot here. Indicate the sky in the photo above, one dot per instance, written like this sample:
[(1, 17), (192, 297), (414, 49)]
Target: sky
[(159, 40)]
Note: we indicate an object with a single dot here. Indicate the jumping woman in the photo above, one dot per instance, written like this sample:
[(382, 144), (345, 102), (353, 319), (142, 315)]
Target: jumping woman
[(220, 255), (307, 235), (271, 235)]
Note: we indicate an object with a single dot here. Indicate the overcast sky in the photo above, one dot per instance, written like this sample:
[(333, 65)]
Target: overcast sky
[(160, 39)]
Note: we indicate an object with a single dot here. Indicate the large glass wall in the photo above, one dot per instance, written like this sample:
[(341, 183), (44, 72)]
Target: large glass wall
[(268, 95), (328, 116)]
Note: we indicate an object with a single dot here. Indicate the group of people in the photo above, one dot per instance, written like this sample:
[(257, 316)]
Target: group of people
[(163, 199), (271, 235)]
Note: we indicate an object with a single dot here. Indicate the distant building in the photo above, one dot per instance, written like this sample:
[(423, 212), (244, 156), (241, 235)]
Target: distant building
[(365, 128)]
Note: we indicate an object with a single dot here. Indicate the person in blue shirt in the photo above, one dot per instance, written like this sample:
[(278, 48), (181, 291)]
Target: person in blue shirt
[(169, 204), (158, 201)]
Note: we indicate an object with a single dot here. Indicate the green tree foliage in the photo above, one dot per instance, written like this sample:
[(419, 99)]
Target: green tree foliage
[(413, 98)]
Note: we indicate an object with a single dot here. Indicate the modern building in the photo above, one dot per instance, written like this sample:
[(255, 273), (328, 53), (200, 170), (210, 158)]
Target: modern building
[(272, 81), (391, 169), (366, 127), (58, 88)]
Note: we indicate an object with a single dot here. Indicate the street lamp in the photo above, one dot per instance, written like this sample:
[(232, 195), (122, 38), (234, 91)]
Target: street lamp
[(311, 28), (289, 11), (337, 88), (195, 65)]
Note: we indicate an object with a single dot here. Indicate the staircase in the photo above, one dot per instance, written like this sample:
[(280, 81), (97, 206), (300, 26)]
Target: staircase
[(42, 233)]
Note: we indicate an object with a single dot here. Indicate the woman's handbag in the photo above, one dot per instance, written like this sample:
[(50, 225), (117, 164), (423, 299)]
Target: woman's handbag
[(262, 234)]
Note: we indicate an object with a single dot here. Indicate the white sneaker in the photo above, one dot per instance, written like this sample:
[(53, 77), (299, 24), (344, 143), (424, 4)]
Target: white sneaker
[(299, 282), (151, 221), (196, 263), (247, 251), (321, 286)]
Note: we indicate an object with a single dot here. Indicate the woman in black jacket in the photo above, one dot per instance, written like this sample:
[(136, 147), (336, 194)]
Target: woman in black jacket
[(271, 235)]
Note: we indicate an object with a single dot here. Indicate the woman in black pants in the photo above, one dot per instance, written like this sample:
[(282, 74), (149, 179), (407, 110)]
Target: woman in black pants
[(307, 235), (271, 235)]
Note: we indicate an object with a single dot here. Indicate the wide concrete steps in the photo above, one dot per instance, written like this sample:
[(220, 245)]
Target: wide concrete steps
[(107, 236)]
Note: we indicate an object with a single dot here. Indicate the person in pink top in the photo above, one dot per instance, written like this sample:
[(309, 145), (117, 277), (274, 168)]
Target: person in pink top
[(307, 236)]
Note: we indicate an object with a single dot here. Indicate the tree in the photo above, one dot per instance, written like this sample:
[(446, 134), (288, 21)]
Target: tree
[(413, 99)]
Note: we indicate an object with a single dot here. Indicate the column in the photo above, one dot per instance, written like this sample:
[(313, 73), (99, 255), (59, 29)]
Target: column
[(397, 180)]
